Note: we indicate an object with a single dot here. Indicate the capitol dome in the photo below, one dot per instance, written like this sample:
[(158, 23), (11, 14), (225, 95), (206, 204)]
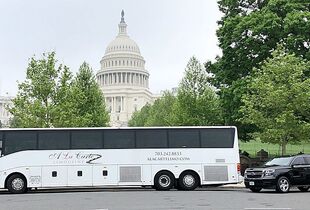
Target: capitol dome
[(122, 44), (123, 78)]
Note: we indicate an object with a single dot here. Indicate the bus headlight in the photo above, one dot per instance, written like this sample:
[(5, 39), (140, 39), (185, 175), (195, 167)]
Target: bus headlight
[(268, 172)]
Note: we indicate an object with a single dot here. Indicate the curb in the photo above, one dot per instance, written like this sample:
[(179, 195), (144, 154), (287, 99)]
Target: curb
[(240, 185)]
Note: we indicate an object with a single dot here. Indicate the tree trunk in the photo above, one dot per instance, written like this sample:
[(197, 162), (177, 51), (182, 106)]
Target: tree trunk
[(283, 145)]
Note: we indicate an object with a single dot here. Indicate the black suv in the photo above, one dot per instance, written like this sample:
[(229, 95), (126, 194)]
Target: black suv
[(280, 174)]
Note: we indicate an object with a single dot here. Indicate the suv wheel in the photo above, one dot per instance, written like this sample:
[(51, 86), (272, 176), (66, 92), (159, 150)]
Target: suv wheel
[(283, 185), (303, 189), (255, 189)]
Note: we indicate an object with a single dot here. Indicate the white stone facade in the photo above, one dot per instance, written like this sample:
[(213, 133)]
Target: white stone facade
[(123, 78), (5, 115)]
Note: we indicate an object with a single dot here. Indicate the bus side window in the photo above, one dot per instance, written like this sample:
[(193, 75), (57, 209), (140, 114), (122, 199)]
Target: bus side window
[(119, 139), (86, 139), (184, 138), (217, 138), (148, 138), (54, 140), (19, 141), (1, 143)]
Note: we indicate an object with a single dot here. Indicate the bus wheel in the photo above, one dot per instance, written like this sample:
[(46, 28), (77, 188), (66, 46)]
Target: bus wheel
[(17, 184), (164, 180), (188, 180)]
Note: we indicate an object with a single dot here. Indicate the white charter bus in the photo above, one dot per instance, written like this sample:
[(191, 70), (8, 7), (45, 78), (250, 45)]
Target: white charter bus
[(162, 157)]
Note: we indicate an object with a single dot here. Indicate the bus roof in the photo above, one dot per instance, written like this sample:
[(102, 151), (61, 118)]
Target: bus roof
[(115, 128)]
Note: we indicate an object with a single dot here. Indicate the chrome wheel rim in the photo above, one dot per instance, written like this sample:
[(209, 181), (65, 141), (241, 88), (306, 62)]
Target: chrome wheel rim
[(164, 180), (284, 185), (17, 184), (188, 180)]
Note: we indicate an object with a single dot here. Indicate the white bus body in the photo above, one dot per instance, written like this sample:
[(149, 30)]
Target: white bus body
[(120, 167)]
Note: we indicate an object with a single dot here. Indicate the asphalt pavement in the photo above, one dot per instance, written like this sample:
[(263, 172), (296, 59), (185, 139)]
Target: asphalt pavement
[(227, 198)]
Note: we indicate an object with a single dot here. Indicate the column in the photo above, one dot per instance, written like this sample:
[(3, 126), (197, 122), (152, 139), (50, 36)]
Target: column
[(113, 106), (121, 103), (143, 81)]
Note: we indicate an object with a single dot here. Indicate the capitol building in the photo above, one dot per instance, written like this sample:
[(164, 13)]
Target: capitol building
[(5, 115), (123, 78)]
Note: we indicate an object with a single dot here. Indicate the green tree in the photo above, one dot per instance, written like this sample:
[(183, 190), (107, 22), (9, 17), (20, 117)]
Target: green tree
[(34, 105), (157, 114), (15, 122), (65, 102), (197, 102), (278, 100), (87, 104), (162, 110), (139, 118), (248, 32)]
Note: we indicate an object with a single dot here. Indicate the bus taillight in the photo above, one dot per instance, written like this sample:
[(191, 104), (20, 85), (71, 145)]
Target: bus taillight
[(238, 167)]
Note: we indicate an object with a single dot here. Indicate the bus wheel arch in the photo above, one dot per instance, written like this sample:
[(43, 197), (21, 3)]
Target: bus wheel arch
[(164, 180), (16, 183), (188, 180)]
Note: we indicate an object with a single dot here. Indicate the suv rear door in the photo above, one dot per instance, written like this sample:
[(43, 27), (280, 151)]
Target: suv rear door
[(307, 159), (299, 171)]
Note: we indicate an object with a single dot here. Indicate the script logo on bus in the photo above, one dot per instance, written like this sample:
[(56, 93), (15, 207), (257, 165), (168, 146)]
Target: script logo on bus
[(74, 157)]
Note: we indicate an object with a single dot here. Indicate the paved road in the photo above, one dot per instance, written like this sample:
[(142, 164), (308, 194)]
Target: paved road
[(114, 199)]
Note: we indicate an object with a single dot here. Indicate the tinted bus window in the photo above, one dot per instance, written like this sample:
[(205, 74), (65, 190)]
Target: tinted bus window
[(86, 139), (217, 137), (54, 140), (20, 140), (183, 138), (119, 139), (1, 134), (151, 139), (1, 142)]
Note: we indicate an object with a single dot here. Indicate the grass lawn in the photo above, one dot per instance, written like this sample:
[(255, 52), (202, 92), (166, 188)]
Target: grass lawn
[(252, 147)]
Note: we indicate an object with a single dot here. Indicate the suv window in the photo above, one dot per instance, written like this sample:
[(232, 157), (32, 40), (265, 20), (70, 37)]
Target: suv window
[(299, 161), (307, 158)]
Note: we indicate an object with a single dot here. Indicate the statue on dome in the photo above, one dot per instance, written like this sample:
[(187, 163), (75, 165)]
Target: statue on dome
[(122, 14)]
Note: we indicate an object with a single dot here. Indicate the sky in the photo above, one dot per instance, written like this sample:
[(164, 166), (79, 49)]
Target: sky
[(168, 33)]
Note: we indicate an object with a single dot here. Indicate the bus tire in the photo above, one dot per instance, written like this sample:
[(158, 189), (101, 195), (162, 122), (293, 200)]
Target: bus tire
[(188, 180), (164, 180), (16, 184)]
